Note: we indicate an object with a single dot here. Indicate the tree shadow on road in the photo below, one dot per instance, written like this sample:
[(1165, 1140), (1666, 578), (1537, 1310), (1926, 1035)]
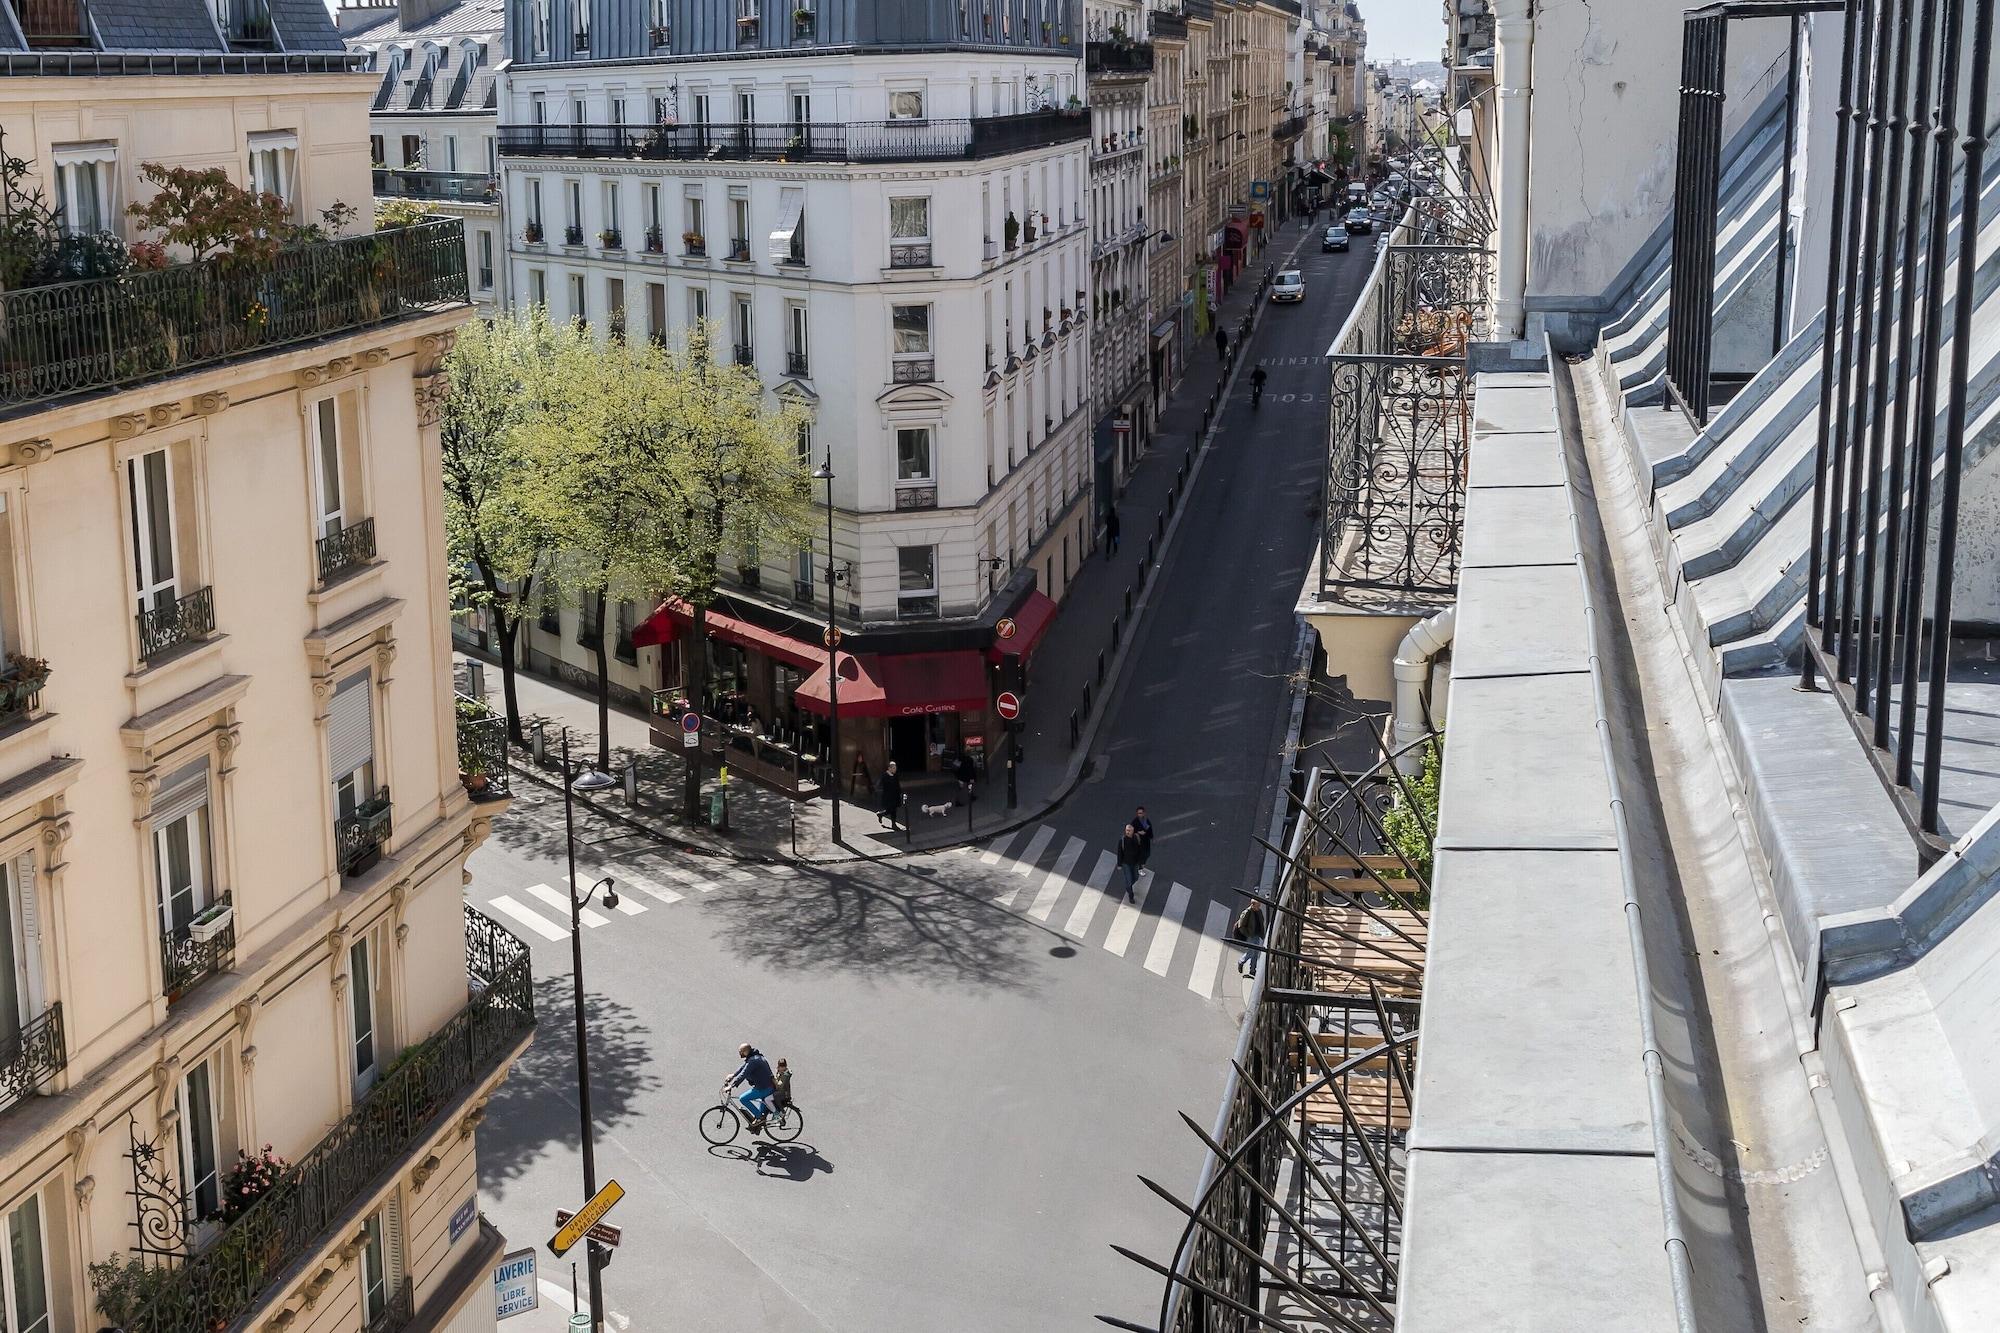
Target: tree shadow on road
[(535, 1108)]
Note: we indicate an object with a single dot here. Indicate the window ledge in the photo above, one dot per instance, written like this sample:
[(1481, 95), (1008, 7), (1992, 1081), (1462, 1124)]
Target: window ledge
[(153, 683), (695, 261), (328, 640), (344, 584), (147, 729), (925, 271), (23, 735)]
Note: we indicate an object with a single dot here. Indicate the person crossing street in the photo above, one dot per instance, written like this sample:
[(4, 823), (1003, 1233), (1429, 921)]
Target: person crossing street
[(1248, 931), (1131, 856), (890, 793)]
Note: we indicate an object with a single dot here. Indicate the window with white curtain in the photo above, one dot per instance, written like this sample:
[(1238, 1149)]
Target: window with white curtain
[(273, 163), (85, 179), (20, 950), (381, 1261)]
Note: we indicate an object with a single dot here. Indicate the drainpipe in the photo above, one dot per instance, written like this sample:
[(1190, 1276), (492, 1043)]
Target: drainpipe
[(1514, 32), (1426, 639)]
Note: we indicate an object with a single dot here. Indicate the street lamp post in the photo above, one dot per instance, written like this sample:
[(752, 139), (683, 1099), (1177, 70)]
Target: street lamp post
[(825, 474), (589, 780)]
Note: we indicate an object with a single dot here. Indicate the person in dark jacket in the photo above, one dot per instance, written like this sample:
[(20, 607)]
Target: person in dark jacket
[(891, 793), (755, 1071), (1131, 855), (1110, 533), (1248, 931), (1221, 344), (1143, 826), (966, 772)]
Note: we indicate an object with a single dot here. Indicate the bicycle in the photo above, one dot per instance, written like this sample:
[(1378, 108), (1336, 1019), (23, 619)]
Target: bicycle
[(722, 1122)]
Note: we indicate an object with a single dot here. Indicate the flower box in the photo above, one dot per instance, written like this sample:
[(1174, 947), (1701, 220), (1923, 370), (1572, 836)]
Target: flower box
[(211, 923)]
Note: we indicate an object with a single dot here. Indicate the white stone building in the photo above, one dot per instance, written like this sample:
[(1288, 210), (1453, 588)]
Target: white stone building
[(1119, 60)]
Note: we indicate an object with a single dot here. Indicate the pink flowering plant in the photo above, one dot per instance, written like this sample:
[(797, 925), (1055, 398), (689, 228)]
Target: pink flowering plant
[(252, 1177)]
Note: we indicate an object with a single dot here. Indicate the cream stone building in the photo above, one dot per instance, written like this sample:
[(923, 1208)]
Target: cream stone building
[(1169, 311), (232, 824)]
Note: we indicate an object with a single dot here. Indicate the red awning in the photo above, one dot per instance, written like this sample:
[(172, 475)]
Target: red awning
[(674, 618), (1031, 620), (904, 685)]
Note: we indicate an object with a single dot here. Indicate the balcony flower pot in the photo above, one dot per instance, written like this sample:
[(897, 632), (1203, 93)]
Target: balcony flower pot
[(212, 922), (693, 241), (532, 233), (611, 239)]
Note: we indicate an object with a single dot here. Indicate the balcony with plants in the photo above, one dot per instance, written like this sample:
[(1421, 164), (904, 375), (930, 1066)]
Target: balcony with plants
[(358, 838), (482, 749), (222, 273)]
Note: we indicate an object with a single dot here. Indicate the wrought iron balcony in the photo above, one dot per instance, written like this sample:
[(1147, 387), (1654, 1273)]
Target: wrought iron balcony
[(109, 333), (191, 953), (916, 497), (915, 370), (358, 838), (1118, 57), (913, 254), (1167, 23), (51, 24), (482, 748), (175, 624), (30, 1058), (745, 354), (217, 1286), (456, 186), (21, 686), (843, 141), (350, 548), (573, 234), (398, 1313), (795, 364)]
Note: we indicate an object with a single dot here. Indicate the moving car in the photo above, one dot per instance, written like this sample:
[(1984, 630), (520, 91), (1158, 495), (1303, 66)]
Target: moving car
[(1335, 239), (1289, 286), (1360, 221)]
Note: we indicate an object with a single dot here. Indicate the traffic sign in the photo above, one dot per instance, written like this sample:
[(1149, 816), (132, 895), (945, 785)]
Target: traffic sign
[(574, 1230), (1008, 705), (690, 721), (603, 1233), (1005, 627)]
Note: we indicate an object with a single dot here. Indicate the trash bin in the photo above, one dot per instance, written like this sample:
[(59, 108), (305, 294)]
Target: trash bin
[(579, 1323)]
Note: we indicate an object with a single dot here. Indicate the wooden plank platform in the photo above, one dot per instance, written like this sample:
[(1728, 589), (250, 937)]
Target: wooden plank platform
[(1396, 964), (1371, 1087)]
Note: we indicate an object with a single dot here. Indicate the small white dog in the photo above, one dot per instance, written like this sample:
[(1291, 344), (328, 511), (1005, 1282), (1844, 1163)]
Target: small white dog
[(938, 811)]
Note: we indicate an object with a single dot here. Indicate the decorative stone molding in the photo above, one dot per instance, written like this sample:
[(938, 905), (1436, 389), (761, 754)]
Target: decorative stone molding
[(280, 1321), (55, 839), (336, 950), (470, 1120), (373, 357), (81, 1138), (353, 1248), (430, 391), (316, 1288), (210, 403), (247, 1058), (312, 377), (164, 414), (127, 425), (166, 1110), (422, 1172), (432, 349), (33, 451), (86, 1189)]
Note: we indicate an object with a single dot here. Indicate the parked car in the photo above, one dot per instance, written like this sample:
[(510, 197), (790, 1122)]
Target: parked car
[(1335, 239), (1289, 286), (1360, 221)]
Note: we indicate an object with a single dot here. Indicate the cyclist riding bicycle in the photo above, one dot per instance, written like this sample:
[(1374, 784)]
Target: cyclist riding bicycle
[(756, 1071)]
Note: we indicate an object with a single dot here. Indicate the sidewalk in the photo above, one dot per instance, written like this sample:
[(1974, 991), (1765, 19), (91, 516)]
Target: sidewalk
[(1077, 666)]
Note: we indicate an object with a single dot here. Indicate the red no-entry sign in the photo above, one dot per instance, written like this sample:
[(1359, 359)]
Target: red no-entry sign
[(1008, 705)]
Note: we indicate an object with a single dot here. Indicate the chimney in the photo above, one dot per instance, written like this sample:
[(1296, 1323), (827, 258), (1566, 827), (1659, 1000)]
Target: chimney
[(415, 12)]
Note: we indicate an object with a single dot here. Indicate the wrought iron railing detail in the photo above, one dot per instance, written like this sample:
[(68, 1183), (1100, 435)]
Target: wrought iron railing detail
[(222, 1282), (33, 1056), (21, 685), (188, 956), (916, 497), (482, 748), (914, 370), (170, 625), (358, 838), (744, 354), (349, 548), (160, 1212), (104, 333), (1126, 57), (463, 187), (911, 140), (396, 1313), (910, 254)]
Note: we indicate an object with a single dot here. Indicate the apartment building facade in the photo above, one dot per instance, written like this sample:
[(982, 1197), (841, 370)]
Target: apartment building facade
[(232, 826), (1119, 60), (1201, 219), (881, 210), (1169, 305)]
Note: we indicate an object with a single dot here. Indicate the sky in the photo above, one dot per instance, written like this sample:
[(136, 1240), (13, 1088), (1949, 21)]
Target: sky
[(1404, 29)]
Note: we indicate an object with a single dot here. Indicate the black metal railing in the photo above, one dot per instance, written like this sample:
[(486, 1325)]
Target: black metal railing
[(219, 1284), (32, 1056), (914, 370), (460, 186), (795, 364), (1116, 57), (573, 234), (848, 141), (190, 953), (1883, 560), (21, 687), (397, 1312), (1290, 128), (165, 627), (54, 23), (1167, 23), (916, 497), (349, 548), (910, 254), (745, 354), (246, 24), (105, 333), (358, 838), (482, 748)]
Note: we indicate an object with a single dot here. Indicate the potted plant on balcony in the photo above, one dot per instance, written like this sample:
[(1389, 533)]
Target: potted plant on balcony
[(1074, 106), (573, 234), (611, 239), (693, 242), (123, 1289), (1011, 231), (656, 240), (211, 922), (532, 233), (21, 681), (802, 22), (249, 1180)]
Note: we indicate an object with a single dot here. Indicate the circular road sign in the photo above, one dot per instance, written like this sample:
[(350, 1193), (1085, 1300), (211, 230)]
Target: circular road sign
[(1008, 705), (690, 721), (830, 636), (1005, 627)]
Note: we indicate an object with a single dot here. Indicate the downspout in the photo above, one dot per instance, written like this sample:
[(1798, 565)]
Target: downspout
[(1426, 639), (1514, 32)]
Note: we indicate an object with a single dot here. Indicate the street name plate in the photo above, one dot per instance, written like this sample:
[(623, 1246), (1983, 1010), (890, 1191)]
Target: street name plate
[(589, 1216), (603, 1233)]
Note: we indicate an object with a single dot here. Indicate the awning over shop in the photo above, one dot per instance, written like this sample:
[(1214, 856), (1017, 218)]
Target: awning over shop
[(903, 685), (1031, 620), (674, 618)]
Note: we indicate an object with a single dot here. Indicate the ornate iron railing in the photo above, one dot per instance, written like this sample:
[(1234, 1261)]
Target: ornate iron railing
[(181, 621), (349, 548), (795, 364), (847, 141), (398, 1312), (188, 957), (910, 254), (744, 354), (220, 1284), (358, 838), (463, 187), (1167, 23), (1118, 57), (482, 747), (916, 497), (108, 333), (32, 1056), (21, 690), (914, 370)]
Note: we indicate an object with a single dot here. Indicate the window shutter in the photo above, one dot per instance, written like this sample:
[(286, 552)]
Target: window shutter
[(791, 208), (185, 790), (392, 1244), (350, 733)]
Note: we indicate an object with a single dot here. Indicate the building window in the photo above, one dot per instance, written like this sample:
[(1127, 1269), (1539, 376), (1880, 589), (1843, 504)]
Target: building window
[(655, 237), (906, 104), (451, 152), (538, 287), (200, 1144), (84, 177), (746, 102), (627, 652), (656, 311), (273, 160), (579, 305), (20, 950), (802, 106), (697, 306), (740, 327), (573, 219), (796, 342), (485, 260), (381, 1258), (150, 489), (538, 20), (375, 157), (693, 237), (363, 1015), (350, 745), (611, 222), (910, 233), (739, 228), (26, 1270), (788, 240), (330, 510), (916, 582), (535, 203), (911, 344), (913, 454), (805, 442), (803, 583)]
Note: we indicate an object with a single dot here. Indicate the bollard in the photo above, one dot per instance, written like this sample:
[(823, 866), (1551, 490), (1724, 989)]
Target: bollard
[(1100, 668), (1086, 698), (795, 831), (1160, 524), (1114, 634), (1072, 730), (631, 782), (539, 744), (1128, 603)]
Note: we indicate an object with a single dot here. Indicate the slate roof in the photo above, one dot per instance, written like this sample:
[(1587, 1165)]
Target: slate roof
[(463, 81), (188, 26)]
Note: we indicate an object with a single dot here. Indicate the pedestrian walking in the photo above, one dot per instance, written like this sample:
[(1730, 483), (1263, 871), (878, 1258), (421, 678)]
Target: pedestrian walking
[(1248, 931), (1144, 828), (890, 794), (1131, 856), (1110, 533), (965, 772), (1221, 343)]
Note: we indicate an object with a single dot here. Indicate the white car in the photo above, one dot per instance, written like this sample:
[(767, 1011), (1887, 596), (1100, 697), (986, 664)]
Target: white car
[(1289, 286)]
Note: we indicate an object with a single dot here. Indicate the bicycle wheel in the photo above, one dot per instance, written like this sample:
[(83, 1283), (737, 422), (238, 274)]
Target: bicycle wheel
[(719, 1125), (785, 1125)]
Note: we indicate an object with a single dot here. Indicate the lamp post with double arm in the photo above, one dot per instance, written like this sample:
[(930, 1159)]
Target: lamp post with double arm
[(591, 779)]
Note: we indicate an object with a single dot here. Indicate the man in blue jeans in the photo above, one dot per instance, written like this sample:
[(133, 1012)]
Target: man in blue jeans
[(756, 1071)]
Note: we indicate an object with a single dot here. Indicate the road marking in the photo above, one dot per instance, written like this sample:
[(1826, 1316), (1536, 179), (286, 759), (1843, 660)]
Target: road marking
[(1058, 880), (632, 879), (551, 898), (687, 877), (1025, 862), (534, 921), (1208, 955), (998, 849), (1093, 895), (1127, 917), (627, 904), (1167, 935)]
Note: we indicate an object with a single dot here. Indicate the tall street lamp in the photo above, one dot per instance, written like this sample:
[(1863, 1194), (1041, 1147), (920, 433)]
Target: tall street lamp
[(591, 779), (825, 474)]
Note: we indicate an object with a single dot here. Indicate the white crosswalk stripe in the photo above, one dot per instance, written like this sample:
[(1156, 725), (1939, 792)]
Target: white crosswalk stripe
[(1025, 863), (550, 898), (534, 921), (1208, 954), (1167, 935), (688, 877), (992, 855), (632, 879), (1093, 897), (1127, 918), (627, 904), (1058, 880)]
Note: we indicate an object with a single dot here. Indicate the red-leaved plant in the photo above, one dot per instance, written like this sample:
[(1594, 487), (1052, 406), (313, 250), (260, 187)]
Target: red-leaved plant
[(249, 1180)]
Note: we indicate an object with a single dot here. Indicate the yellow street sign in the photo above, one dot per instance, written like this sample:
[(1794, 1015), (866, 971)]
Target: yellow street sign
[(587, 1217)]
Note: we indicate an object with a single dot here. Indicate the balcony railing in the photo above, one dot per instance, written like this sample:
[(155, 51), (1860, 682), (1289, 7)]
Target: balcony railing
[(397, 1314), (358, 838), (912, 254), (1118, 57), (1167, 23), (915, 370), (21, 687), (795, 364), (350, 548), (109, 333), (53, 23), (162, 629), (459, 186), (849, 141), (482, 748), (29, 1059), (192, 953), (218, 1285), (916, 497), (745, 354)]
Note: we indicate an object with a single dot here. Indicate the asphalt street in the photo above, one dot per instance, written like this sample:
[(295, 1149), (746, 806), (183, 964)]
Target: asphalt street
[(990, 1045)]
